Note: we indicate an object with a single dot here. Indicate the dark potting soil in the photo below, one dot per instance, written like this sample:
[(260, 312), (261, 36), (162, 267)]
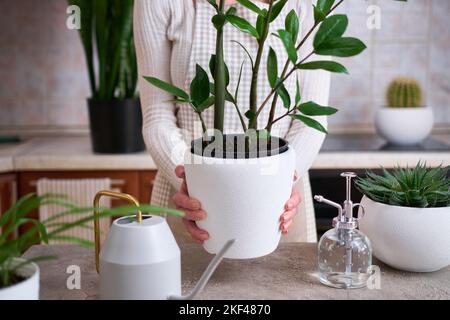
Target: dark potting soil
[(237, 146), (15, 279)]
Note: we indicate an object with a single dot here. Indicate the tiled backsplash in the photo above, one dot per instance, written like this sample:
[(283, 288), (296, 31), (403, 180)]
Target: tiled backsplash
[(44, 79)]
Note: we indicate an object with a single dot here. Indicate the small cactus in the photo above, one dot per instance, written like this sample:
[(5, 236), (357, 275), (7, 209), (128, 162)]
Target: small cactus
[(404, 92)]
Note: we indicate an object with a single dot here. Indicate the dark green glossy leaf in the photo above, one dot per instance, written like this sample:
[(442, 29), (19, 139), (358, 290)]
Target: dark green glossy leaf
[(214, 4), (318, 15), (242, 25), (212, 67), (276, 9), (253, 7), (292, 25), (331, 28), (313, 109), (310, 122), (331, 66), (341, 47), (206, 104), (272, 67), (324, 6), (297, 93), (167, 87), (284, 95), (260, 24), (218, 21), (231, 11), (199, 86), (289, 45), (250, 115)]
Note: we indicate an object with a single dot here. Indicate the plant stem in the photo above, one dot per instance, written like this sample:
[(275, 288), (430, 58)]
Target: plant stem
[(241, 117), (219, 77), (255, 72), (285, 74), (204, 128)]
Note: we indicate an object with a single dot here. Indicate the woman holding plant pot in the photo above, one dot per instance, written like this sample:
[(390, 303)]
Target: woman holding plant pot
[(171, 38)]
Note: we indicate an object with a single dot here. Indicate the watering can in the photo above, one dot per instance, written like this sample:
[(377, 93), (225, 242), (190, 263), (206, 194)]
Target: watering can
[(140, 259)]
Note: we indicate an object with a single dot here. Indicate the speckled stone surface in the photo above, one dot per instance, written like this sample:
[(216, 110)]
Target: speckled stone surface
[(288, 273)]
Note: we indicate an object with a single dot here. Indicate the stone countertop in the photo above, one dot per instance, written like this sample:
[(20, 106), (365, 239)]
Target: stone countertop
[(74, 153), (288, 273)]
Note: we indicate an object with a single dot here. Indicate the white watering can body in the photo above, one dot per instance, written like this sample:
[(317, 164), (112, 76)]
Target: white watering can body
[(140, 259)]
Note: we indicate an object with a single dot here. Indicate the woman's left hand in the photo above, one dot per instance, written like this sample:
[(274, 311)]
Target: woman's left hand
[(290, 209)]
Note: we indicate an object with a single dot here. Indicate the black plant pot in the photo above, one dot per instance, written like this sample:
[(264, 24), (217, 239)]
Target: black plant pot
[(116, 126)]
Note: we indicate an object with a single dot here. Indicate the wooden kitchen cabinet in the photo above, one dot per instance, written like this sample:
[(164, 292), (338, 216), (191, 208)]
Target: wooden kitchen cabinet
[(136, 183)]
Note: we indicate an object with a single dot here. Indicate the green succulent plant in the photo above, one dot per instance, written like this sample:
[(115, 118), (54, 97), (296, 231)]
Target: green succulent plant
[(404, 92), (418, 187)]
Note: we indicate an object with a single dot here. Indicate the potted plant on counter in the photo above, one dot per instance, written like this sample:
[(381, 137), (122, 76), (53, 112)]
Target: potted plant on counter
[(19, 277), (407, 217), (243, 180), (115, 114), (405, 120)]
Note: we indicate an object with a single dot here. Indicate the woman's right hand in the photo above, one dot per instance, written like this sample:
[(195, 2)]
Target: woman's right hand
[(192, 209)]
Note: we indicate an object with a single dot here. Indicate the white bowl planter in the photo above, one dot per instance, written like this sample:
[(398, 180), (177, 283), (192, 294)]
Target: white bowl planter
[(27, 289), (411, 239), (404, 126), (243, 199)]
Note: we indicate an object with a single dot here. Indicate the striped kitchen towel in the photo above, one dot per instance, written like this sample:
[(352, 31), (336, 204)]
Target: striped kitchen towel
[(80, 192)]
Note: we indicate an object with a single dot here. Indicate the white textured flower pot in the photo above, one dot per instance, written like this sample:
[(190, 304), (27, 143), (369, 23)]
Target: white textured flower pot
[(411, 239), (404, 126), (243, 199), (27, 289)]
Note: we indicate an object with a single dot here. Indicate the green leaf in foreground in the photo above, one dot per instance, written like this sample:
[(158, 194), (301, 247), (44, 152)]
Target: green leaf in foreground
[(289, 45), (331, 28), (341, 47), (272, 67), (311, 108), (242, 25), (331, 66), (199, 86), (310, 122), (167, 87)]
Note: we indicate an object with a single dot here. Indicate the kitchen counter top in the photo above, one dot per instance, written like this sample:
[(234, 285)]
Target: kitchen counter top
[(288, 273), (74, 153)]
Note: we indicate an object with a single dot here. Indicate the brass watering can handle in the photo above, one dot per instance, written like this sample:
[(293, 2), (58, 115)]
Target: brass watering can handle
[(112, 194)]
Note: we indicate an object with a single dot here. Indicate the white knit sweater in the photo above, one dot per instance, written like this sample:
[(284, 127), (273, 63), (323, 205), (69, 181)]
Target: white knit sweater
[(165, 31)]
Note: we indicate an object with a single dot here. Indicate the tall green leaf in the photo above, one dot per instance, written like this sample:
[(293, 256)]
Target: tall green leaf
[(253, 7), (289, 45), (277, 7), (341, 47), (242, 25), (167, 87), (313, 109), (331, 28), (272, 68), (199, 86), (331, 66), (212, 69), (284, 95), (292, 25), (102, 33), (310, 122)]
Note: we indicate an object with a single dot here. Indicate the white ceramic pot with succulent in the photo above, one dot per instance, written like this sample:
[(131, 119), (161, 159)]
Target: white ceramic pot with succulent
[(227, 173), (404, 121), (407, 217)]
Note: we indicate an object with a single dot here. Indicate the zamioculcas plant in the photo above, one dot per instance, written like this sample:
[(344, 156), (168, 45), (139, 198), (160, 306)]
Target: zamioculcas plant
[(329, 40), (246, 193)]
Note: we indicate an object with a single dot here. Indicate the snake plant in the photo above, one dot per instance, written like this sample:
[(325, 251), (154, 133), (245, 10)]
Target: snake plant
[(13, 243), (419, 187), (329, 40), (107, 37)]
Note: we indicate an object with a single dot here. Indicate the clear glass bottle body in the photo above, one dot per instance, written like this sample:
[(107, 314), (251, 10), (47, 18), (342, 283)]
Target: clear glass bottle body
[(345, 258)]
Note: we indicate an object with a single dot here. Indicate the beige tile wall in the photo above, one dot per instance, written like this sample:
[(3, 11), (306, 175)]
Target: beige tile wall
[(44, 81)]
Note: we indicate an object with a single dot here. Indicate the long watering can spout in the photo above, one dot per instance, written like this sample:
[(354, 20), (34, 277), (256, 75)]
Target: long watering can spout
[(207, 274)]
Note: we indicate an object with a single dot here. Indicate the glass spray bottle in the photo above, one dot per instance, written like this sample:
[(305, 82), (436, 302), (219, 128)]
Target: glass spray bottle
[(345, 253)]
